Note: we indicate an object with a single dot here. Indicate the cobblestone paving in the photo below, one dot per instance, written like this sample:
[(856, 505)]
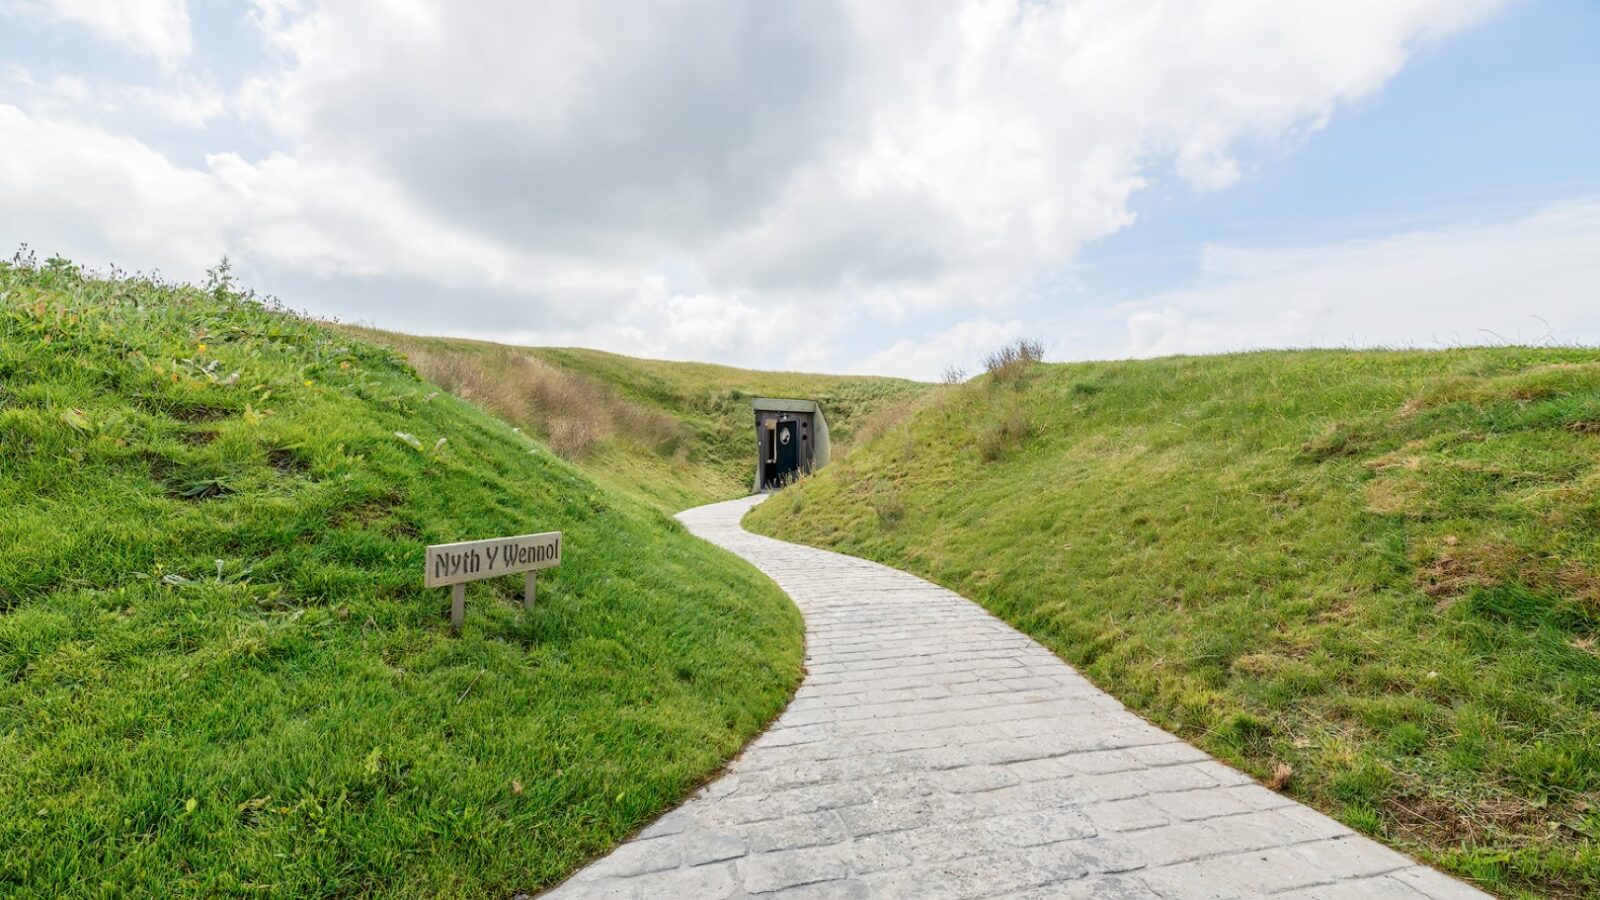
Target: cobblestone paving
[(935, 752)]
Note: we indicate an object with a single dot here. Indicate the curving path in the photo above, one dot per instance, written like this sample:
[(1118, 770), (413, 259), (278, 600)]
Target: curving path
[(933, 751)]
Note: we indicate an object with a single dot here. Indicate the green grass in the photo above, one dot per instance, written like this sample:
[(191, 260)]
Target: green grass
[(673, 434), (219, 674), (1380, 569)]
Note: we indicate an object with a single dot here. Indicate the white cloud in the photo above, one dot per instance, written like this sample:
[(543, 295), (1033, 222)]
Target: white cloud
[(154, 28), (76, 189), (1525, 279), (112, 197), (697, 327), (685, 181), (861, 150), (850, 149), (960, 346), (182, 99)]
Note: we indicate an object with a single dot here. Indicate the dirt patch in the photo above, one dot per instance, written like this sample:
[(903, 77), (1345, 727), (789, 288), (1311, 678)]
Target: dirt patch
[(1458, 566), (159, 467), (1581, 582), (1435, 823), (181, 482), (1427, 820), (288, 461), (1440, 823), (199, 437), (369, 512), (379, 514)]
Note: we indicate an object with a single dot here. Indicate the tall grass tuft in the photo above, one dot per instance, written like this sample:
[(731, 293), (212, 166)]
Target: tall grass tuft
[(1010, 364), (1005, 430)]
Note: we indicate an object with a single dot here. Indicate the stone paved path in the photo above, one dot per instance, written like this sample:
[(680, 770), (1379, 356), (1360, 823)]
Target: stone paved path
[(935, 752)]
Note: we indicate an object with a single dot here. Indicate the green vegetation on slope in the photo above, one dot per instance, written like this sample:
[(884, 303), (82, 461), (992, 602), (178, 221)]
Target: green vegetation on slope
[(1380, 570), (673, 434), (219, 675)]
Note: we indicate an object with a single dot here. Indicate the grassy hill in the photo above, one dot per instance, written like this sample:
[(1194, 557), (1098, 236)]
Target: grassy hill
[(1372, 578), (674, 434), (219, 674)]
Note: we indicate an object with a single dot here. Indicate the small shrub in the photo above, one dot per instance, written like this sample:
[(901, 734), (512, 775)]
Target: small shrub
[(1363, 818), (1407, 739), (1003, 434), (1363, 784), (1282, 774), (890, 508), (1010, 364), (953, 374), (1244, 730)]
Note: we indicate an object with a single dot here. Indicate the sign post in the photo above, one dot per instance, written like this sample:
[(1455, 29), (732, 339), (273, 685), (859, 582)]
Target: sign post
[(454, 565)]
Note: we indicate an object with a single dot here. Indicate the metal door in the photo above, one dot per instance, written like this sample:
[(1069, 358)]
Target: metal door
[(786, 464)]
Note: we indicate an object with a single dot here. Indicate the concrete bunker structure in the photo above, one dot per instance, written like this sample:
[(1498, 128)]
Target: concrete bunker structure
[(791, 440)]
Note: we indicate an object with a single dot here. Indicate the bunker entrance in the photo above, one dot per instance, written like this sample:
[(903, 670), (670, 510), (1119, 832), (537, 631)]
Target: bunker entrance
[(791, 440)]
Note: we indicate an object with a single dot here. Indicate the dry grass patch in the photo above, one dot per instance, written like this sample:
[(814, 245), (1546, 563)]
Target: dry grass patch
[(575, 414)]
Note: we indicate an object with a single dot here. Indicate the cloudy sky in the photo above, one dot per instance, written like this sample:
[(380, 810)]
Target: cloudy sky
[(844, 185)]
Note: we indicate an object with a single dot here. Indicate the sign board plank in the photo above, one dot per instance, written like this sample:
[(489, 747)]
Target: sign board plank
[(449, 564)]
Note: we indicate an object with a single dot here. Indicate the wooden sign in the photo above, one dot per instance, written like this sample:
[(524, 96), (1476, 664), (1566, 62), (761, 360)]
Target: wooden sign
[(454, 565)]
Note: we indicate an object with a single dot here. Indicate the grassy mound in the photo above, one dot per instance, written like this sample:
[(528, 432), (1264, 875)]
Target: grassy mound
[(1373, 578), (674, 434), (219, 675)]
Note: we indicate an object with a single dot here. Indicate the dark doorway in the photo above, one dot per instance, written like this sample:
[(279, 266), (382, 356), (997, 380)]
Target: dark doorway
[(784, 453), (791, 440)]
